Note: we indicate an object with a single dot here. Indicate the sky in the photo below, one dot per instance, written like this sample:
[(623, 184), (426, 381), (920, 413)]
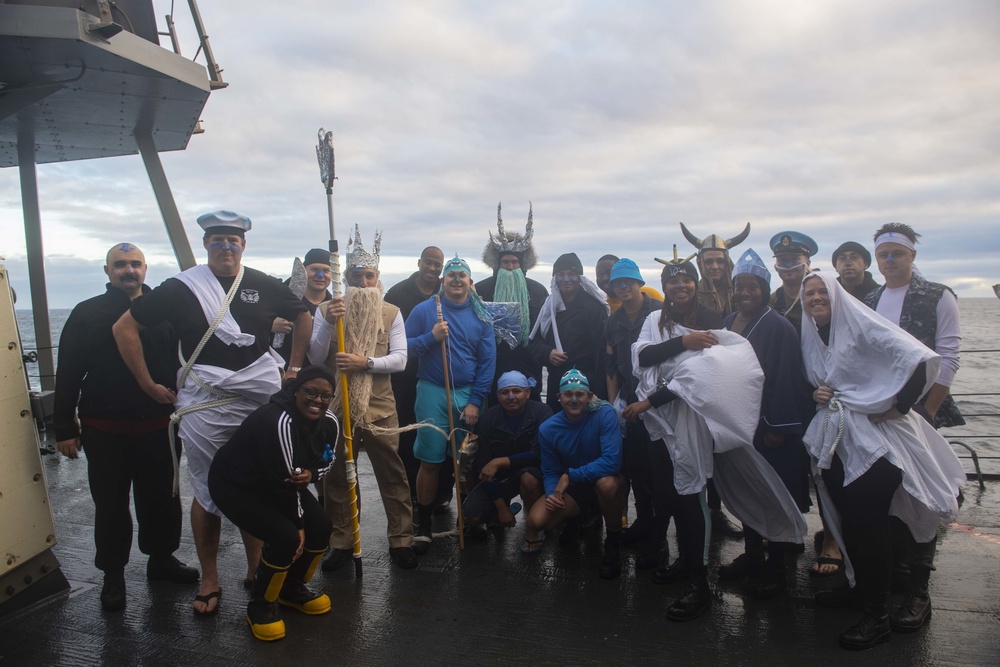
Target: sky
[(616, 120)]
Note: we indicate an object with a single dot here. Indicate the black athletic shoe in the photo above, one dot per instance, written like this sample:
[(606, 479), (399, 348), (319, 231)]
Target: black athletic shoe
[(113, 592), (696, 601), (870, 630), (743, 566), (336, 559), (168, 568), (403, 557), (912, 612)]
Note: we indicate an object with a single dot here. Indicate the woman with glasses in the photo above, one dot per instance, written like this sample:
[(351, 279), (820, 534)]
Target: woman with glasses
[(260, 480)]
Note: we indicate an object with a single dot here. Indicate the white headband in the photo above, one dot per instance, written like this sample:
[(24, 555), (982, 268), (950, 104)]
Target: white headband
[(894, 237)]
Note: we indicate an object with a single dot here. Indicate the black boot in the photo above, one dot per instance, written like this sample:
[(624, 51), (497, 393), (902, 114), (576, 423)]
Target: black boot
[(772, 579), (671, 573), (262, 611), (611, 564), (873, 626), (425, 520), (915, 608), (294, 592), (113, 591), (696, 599), (744, 565)]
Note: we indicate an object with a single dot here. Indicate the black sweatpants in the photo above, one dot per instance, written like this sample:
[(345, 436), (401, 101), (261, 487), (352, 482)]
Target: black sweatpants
[(116, 465), (254, 512), (690, 512), (864, 517)]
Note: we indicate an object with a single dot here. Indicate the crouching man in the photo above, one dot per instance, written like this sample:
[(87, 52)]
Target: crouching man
[(507, 463), (581, 453)]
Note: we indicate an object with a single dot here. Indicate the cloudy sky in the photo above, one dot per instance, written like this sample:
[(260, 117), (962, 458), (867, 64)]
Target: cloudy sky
[(617, 120)]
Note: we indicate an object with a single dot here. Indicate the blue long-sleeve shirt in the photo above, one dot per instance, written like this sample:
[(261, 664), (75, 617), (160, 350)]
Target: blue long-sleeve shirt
[(587, 449), (472, 358)]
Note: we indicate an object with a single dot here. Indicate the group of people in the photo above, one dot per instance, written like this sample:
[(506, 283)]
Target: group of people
[(715, 390)]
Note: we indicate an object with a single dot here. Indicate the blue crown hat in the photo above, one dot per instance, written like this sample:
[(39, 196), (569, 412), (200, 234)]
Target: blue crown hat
[(224, 220), (750, 262), (793, 243), (626, 268), (574, 379)]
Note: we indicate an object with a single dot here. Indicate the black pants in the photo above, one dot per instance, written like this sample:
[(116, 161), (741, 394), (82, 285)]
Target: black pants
[(864, 517), (117, 464), (638, 470), (690, 512), (255, 512)]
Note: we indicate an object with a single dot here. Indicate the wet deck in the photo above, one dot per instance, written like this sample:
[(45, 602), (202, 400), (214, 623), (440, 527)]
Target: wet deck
[(492, 605)]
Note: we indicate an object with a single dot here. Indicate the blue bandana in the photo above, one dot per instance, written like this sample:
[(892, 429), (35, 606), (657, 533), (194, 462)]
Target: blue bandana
[(515, 379)]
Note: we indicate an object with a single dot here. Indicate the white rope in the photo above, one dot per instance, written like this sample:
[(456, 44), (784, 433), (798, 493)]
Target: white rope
[(834, 406), (225, 397)]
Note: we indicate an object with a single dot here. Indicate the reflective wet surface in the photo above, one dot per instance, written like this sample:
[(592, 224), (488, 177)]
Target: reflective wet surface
[(492, 605)]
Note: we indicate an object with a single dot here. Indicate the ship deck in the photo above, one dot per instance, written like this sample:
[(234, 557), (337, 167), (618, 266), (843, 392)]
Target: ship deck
[(491, 605)]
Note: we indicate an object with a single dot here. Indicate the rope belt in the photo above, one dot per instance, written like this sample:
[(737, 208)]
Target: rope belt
[(834, 406), (224, 397)]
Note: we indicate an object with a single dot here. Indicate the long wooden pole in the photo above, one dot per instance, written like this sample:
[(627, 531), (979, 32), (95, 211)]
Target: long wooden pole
[(451, 430)]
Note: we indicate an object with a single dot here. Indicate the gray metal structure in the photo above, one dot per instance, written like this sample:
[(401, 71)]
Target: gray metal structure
[(77, 84)]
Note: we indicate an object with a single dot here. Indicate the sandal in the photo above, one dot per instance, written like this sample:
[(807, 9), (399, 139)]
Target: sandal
[(814, 571), (533, 546), (205, 599)]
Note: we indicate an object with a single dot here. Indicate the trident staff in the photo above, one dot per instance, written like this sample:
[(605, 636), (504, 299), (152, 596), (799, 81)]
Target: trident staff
[(324, 155)]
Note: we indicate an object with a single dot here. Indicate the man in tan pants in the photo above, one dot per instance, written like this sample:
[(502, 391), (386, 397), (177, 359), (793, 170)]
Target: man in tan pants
[(375, 347)]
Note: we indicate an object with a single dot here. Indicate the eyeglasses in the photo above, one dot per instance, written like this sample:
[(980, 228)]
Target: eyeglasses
[(312, 395)]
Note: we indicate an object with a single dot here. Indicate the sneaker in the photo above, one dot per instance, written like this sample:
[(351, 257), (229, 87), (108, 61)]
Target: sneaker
[(696, 601), (336, 559), (168, 568), (403, 557), (870, 630), (113, 591)]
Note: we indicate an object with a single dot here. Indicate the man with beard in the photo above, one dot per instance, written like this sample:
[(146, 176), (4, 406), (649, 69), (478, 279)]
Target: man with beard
[(420, 286), (223, 311), (569, 331), (792, 251), (374, 347), (123, 429), (511, 256), (851, 261), (318, 278), (602, 274), (466, 328), (715, 289)]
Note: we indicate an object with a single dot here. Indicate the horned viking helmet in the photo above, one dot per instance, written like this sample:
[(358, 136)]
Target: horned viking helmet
[(714, 241)]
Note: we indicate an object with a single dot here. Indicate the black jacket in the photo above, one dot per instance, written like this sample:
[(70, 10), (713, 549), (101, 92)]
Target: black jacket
[(92, 375), (269, 444), (496, 440)]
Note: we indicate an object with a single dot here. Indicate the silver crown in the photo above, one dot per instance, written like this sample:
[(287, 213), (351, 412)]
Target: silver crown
[(512, 242), (358, 258)]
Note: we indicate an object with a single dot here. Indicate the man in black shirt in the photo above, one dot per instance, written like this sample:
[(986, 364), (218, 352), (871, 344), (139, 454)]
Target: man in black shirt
[(123, 429), (227, 373)]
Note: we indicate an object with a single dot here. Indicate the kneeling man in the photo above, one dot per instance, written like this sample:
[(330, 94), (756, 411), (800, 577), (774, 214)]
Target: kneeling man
[(581, 452), (507, 462)]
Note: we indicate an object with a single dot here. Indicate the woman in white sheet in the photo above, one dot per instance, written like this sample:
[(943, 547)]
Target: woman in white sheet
[(877, 458)]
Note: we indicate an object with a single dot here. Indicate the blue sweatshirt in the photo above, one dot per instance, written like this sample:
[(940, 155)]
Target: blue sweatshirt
[(587, 449), (472, 350)]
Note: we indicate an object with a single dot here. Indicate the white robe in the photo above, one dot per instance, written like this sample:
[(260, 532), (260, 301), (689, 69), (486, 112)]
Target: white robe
[(867, 362), (204, 431), (709, 429)]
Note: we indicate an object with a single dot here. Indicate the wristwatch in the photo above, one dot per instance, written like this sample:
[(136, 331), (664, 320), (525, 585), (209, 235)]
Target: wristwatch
[(371, 363), (294, 369)]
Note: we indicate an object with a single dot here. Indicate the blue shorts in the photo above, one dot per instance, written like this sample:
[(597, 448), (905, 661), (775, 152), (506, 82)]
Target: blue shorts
[(432, 407)]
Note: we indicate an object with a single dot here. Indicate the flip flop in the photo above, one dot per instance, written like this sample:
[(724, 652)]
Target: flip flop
[(515, 508), (533, 546), (827, 560), (206, 599)]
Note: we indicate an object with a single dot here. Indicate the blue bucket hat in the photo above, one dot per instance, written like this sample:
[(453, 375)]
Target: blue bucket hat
[(626, 268)]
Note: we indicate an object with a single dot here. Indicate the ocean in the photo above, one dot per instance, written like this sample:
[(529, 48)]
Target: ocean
[(974, 388)]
